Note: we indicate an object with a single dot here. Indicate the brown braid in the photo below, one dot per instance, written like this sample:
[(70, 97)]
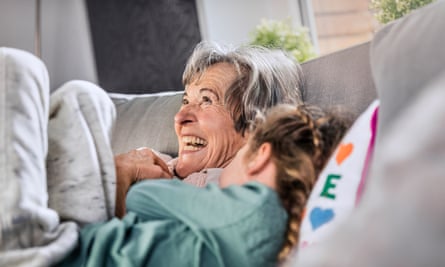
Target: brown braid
[(298, 152)]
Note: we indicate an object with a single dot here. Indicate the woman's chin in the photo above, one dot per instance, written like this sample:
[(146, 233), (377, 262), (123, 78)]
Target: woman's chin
[(185, 167)]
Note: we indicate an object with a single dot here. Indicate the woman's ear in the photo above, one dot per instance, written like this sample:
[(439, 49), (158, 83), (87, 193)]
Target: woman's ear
[(260, 159)]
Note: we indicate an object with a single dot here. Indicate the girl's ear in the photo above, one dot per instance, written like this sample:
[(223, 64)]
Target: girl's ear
[(260, 159)]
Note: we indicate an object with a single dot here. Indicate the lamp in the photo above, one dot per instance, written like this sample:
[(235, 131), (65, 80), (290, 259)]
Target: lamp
[(37, 33)]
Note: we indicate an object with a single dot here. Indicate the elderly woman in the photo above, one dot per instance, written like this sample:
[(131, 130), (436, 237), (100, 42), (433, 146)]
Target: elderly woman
[(58, 170), (224, 88)]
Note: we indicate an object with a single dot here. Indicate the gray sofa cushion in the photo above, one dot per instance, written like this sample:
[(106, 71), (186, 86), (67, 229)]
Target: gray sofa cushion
[(405, 56)]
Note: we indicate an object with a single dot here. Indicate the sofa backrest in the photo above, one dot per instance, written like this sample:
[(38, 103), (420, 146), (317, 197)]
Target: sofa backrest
[(342, 78)]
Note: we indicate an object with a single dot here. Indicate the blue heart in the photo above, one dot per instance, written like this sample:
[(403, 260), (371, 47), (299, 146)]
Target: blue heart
[(320, 216)]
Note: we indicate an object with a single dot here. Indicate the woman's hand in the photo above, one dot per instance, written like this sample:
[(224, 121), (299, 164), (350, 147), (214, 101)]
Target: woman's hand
[(134, 166)]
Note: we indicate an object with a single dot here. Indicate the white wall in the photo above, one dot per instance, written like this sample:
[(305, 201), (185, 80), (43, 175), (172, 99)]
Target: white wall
[(66, 43), (17, 24), (233, 21)]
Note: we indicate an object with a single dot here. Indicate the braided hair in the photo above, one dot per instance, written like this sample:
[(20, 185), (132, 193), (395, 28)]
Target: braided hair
[(299, 150)]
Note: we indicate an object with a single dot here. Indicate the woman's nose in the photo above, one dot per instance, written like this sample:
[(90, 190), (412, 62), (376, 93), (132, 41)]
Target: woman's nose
[(186, 114)]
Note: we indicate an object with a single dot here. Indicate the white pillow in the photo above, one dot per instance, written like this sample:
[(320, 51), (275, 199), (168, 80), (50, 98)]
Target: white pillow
[(339, 185)]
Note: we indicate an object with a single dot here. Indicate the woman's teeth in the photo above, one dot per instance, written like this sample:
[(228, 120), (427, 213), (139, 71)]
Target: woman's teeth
[(193, 143)]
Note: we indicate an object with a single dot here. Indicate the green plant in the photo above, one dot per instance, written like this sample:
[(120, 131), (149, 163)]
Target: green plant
[(389, 10), (280, 34)]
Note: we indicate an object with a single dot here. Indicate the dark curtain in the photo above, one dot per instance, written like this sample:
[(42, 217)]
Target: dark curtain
[(141, 46)]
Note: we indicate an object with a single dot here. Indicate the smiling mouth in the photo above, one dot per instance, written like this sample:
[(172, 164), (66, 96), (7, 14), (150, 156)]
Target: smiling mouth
[(193, 143)]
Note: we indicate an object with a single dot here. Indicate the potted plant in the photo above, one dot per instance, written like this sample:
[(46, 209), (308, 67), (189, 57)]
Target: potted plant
[(280, 34), (389, 10)]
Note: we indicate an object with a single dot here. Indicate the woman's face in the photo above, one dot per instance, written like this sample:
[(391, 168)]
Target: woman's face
[(205, 130)]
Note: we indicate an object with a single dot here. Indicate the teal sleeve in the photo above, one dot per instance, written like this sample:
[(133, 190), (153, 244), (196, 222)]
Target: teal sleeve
[(196, 207), (170, 223)]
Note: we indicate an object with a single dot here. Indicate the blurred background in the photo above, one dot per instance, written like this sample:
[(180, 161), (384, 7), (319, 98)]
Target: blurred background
[(141, 46)]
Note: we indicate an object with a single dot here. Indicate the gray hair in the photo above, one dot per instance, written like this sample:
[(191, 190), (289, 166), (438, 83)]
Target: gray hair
[(265, 78)]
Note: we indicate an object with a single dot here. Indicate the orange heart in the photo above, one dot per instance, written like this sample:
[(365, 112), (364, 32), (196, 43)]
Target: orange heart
[(344, 150)]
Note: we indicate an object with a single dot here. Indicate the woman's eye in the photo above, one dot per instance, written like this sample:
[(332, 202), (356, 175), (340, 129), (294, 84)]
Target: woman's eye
[(206, 100)]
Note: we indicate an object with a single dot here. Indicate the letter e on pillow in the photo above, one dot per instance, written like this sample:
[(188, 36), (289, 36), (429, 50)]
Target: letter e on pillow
[(330, 184)]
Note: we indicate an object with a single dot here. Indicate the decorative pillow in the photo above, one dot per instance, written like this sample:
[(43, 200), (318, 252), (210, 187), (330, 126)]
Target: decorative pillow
[(339, 185)]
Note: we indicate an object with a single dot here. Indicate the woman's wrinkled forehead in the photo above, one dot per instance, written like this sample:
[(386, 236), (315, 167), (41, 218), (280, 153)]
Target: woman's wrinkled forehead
[(195, 71), (218, 77)]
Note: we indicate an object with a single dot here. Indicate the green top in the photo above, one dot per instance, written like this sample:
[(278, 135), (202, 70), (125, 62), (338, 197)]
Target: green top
[(170, 223)]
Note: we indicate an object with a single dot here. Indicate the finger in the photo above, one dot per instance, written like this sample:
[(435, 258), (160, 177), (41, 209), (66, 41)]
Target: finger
[(145, 151), (152, 172), (162, 164), (150, 154)]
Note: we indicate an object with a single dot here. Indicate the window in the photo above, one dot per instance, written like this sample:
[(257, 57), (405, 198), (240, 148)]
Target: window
[(333, 24), (233, 21), (338, 24)]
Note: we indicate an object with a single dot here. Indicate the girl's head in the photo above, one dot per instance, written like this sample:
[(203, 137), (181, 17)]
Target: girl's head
[(286, 150)]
